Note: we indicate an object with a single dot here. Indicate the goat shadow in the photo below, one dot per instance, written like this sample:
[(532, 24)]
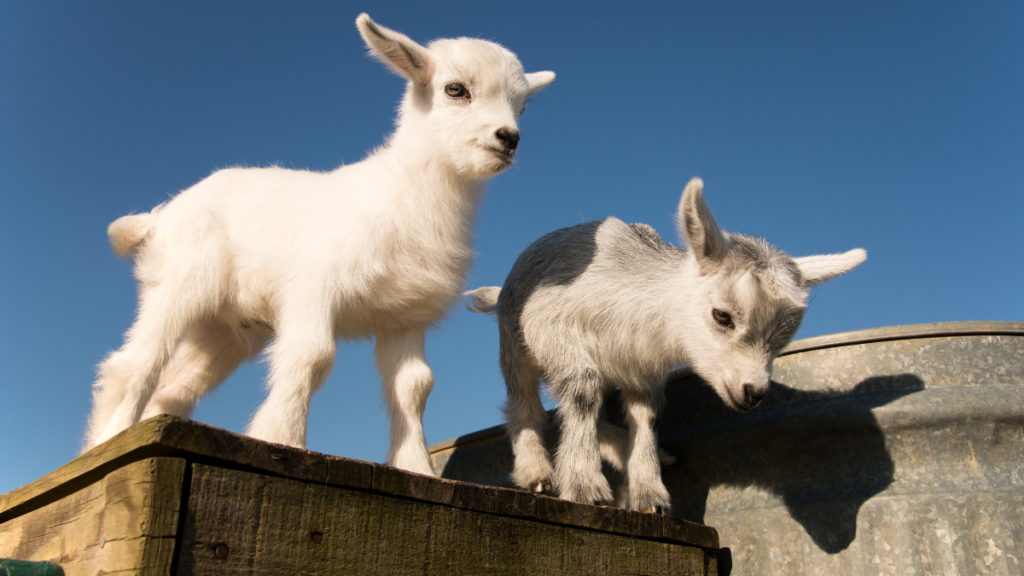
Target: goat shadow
[(822, 453)]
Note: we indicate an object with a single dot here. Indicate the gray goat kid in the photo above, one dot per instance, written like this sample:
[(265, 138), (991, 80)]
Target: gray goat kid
[(607, 304)]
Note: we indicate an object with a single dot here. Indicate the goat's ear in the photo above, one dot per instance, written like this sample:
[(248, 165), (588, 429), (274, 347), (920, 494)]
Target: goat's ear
[(698, 227), (539, 80), (818, 269), (397, 50)]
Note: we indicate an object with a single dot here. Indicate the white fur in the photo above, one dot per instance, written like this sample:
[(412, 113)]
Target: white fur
[(378, 248), (608, 304)]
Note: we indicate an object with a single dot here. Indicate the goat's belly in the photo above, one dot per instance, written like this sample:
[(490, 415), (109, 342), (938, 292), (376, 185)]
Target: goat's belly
[(394, 305)]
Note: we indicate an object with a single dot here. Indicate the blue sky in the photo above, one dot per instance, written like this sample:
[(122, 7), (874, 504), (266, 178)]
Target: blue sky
[(893, 126)]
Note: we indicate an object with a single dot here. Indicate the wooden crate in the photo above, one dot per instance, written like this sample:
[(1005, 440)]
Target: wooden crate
[(171, 496)]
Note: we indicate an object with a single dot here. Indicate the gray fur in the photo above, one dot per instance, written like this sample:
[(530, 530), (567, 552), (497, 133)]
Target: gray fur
[(607, 305)]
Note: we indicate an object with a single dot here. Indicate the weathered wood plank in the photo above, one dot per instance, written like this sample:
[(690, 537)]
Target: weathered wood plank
[(126, 521), (466, 543), (65, 480), (167, 436), (171, 436), (278, 525), (268, 524)]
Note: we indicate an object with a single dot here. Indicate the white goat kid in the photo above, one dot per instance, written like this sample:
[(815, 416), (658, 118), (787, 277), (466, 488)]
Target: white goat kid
[(607, 304), (379, 248)]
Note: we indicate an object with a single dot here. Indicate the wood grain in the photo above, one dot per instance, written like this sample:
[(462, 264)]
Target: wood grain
[(267, 525), (125, 522)]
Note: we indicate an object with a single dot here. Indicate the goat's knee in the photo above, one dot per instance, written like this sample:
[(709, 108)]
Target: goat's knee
[(407, 391), (407, 378), (407, 396)]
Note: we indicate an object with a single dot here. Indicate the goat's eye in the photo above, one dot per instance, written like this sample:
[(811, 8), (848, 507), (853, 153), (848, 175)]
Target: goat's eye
[(723, 318), (456, 90)]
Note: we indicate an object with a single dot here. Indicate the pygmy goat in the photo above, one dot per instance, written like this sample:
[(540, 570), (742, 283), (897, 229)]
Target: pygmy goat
[(377, 248), (608, 304)]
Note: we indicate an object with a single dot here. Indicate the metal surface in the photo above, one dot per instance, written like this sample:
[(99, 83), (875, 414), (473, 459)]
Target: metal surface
[(19, 568), (887, 451)]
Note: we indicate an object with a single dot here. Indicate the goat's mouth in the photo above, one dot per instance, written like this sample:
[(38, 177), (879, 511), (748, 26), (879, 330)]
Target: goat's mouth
[(504, 155), (737, 405)]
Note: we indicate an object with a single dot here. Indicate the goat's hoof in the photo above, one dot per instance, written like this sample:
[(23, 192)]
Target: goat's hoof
[(542, 487), (601, 503), (654, 510)]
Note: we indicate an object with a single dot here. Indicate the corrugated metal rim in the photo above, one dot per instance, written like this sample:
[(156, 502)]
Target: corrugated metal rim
[(905, 332)]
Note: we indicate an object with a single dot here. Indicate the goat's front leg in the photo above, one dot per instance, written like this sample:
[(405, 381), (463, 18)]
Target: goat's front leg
[(301, 359), (643, 488), (407, 381), (578, 474)]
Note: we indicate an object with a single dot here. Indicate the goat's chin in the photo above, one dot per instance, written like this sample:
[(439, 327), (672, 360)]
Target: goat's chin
[(726, 394), (490, 162)]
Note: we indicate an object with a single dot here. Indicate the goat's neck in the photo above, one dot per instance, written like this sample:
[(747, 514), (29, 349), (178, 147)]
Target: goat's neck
[(420, 164), (441, 201), (679, 290)]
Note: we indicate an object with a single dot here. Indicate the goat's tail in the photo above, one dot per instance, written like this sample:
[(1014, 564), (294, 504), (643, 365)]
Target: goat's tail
[(128, 231), (485, 300)]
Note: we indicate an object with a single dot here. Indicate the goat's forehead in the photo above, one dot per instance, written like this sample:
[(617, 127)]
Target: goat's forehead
[(482, 60), (760, 289), (759, 273)]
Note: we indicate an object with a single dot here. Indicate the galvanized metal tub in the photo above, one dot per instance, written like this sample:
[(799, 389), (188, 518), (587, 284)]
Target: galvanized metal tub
[(887, 451)]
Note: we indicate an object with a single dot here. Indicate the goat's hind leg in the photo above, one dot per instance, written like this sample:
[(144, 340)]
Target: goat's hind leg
[(614, 445), (127, 378), (205, 357), (526, 419), (181, 285)]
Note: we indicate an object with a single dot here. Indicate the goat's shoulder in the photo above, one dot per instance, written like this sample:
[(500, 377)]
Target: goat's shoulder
[(630, 244)]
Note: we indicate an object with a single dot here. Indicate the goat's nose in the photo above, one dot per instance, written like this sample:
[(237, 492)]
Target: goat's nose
[(754, 394), (510, 138)]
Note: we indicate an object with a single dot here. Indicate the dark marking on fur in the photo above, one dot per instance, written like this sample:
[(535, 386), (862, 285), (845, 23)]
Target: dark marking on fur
[(585, 403), (783, 328)]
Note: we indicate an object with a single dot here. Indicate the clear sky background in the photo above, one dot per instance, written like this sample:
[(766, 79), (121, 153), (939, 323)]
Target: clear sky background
[(893, 126)]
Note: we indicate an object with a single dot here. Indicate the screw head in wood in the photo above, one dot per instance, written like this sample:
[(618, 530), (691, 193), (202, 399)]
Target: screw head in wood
[(515, 548), (317, 537), (221, 551)]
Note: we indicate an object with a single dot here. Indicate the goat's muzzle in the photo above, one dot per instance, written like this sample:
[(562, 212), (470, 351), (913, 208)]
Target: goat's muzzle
[(509, 139)]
